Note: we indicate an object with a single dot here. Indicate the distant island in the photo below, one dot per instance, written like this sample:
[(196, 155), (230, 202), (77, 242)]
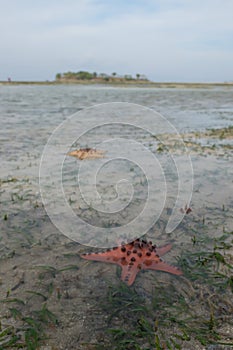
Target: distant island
[(114, 79), (85, 76)]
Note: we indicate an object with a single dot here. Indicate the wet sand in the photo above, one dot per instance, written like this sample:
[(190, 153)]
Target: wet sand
[(53, 299)]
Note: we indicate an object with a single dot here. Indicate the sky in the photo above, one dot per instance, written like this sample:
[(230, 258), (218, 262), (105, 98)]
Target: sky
[(167, 40)]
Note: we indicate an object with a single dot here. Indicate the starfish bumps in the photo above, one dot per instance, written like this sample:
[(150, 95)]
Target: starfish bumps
[(135, 256)]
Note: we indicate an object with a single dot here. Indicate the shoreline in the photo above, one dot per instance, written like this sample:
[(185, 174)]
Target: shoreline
[(143, 84)]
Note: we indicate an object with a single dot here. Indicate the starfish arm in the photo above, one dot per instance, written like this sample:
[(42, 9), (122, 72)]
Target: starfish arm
[(162, 266), (128, 274), (163, 250), (104, 256)]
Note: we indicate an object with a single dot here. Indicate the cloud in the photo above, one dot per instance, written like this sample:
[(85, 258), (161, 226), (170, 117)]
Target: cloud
[(165, 39)]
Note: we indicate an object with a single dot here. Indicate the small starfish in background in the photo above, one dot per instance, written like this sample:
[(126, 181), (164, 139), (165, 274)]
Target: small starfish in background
[(87, 153), (135, 256)]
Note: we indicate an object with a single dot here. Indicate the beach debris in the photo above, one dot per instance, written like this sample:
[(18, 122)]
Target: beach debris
[(19, 283), (87, 153), (185, 210), (135, 256)]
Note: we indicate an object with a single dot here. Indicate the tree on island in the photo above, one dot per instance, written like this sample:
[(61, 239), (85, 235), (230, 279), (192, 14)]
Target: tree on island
[(58, 76), (128, 77)]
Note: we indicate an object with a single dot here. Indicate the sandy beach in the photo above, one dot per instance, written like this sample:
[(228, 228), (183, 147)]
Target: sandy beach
[(52, 299)]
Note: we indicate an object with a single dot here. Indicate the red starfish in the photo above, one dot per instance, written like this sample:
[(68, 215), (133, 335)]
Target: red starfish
[(135, 256)]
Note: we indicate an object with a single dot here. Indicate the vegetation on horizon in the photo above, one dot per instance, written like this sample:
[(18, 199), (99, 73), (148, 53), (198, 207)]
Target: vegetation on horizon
[(85, 75)]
